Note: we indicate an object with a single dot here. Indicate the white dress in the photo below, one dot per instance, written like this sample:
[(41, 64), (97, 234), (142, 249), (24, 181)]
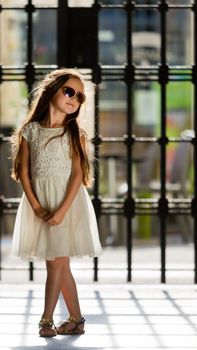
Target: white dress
[(78, 234)]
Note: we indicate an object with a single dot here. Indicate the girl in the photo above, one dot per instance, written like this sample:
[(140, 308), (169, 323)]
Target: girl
[(55, 218)]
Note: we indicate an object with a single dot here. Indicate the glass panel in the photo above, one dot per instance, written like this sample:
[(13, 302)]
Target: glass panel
[(13, 37), (146, 109), (146, 38), (112, 109), (13, 3), (179, 249), (112, 37), (145, 2), (179, 2), (179, 170), (45, 3), (146, 249), (112, 230), (146, 170), (112, 169), (45, 37), (13, 103), (179, 37), (8, 187), (111, 2), (80, 3), (179, 107)]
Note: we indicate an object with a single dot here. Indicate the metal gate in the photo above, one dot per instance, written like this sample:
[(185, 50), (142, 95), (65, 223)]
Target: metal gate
[(143, 62)]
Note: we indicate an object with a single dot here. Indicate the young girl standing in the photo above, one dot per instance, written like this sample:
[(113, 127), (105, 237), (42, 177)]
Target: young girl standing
[(55, 218)]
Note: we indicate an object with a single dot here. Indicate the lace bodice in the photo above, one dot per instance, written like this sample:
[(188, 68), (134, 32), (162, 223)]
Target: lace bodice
[(47, 159)]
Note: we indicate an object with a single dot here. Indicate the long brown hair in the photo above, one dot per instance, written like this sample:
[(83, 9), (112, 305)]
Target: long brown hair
[(42, 95)]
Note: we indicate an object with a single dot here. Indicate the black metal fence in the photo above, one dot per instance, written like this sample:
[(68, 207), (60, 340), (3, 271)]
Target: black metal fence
[(83, 51)]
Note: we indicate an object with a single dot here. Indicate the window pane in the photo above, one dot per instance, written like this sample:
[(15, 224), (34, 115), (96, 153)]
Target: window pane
[(178, 2), (146, 37), (13, 37), (45, 37), (145, 2), (179, 37), (179, 108), (80, 3), (45, 3), (146, 109), (13, 3), (8, 187), (112, 37), (111, 2), (113, 168), (13, 103), (112, 109), (146, 170), (179, 249), (146, 249), (179, 170)]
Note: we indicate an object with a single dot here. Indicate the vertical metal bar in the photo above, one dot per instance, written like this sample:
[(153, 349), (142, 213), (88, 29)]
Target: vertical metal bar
[(96, 79), (30, 74), (194, 79), (129, 78), (62, 33), (163, 78), (1, 233)]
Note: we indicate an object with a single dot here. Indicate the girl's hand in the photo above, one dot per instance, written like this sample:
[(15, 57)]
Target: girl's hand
[(55, 218), (41, 212)]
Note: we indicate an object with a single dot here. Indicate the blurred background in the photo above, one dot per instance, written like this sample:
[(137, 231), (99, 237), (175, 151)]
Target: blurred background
[(141, 122)]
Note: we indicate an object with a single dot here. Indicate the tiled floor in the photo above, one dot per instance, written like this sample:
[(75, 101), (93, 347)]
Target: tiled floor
[(126, 316)]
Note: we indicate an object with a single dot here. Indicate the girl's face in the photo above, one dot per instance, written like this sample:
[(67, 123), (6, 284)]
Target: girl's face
[(69, 97)]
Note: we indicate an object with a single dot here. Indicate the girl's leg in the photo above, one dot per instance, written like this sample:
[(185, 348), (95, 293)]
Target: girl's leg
[(69, 291), (55, 270)]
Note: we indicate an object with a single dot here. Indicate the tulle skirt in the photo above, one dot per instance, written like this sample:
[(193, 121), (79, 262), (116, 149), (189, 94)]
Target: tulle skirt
[(77, 235)]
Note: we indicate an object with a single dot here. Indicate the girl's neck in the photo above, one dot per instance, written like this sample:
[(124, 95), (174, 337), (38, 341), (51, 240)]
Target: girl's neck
[(53, 122)]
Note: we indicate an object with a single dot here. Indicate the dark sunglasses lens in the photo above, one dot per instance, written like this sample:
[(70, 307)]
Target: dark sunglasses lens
[(80, 97), (69, 92)]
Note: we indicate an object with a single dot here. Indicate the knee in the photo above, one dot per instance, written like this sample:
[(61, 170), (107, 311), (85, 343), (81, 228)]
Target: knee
[(57, 264)]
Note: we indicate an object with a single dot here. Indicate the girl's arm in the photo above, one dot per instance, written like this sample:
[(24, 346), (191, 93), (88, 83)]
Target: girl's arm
[(26, 182), (73, 186)]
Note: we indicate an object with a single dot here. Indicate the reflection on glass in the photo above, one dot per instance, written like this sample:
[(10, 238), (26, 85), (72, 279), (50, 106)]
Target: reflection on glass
[(146, 170), (45, 3), (179, 107), (180, 2), (112, 169), (45, 37), (80, 3), (146, 2), (13, 37), (112, 230), (13, 102), (146, 38), (111, 2), (13, 3), (179, 170), (8, 187), (112, 109), (112, 37), (146, 109), (179, 37), (179, 249)]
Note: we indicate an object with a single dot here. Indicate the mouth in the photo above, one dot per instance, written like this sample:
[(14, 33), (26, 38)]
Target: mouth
[(69, 104)]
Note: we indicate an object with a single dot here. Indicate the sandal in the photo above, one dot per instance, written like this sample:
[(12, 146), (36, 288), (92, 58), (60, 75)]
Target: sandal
[(63, 329), (47, 328)]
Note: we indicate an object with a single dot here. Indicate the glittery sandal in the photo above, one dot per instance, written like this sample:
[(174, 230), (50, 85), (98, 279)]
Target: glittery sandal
[(63, 329), (47, 328)]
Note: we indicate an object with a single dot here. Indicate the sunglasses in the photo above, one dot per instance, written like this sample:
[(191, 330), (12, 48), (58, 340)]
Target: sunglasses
[(70, 92)]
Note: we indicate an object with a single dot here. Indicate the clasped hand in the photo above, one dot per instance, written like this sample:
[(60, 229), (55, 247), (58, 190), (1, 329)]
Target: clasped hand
[(50, 218)]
